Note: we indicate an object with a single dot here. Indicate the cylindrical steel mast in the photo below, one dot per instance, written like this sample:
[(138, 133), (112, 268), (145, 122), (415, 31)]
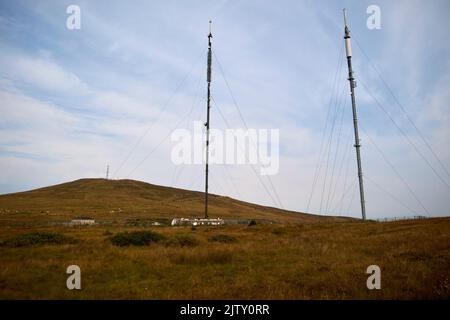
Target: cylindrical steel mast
[(208, 107), (351, 79)]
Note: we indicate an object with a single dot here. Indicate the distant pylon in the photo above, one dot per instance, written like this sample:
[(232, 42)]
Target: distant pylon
[(107, 171)]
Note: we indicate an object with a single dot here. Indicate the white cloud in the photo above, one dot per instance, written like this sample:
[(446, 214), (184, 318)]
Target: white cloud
[(19, 110), (39, 72), (279, 60)]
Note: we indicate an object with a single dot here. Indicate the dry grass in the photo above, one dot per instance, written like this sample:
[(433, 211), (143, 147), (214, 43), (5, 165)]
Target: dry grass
[(300, 256), (325, 260)]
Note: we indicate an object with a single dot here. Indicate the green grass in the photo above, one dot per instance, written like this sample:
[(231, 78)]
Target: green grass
[(136, 238), (37, 238)]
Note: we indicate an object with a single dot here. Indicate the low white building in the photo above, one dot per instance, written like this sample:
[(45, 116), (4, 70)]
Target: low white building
[(82, 221), (197, 222)]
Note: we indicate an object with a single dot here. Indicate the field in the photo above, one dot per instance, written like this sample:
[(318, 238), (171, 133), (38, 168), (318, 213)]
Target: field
[(288, 258)]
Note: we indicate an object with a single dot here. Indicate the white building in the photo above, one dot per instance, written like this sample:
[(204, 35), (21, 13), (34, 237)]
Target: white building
[(197, 222), (82, 221)]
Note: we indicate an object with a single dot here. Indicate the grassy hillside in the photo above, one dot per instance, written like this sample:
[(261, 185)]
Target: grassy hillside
[(301, 256), (124, 199), (322, 260)]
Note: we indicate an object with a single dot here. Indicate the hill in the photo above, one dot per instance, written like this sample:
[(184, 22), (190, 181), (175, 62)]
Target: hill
[(303, 257), (121, 200)]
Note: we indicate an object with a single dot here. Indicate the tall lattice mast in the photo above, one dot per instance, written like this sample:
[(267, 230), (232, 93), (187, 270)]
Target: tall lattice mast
[(351, 79), (208, 107)]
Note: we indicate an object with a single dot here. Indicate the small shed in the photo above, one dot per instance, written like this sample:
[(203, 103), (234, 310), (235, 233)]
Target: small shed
[(82, 220), (197, 222)]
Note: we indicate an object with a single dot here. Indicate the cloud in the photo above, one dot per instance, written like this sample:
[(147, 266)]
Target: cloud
[(24, 111), (39, 72), (73, 101)]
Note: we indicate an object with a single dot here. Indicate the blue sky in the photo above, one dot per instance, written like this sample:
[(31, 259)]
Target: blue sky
[(74, 100)]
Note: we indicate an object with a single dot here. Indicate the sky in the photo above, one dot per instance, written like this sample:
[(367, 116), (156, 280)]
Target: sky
[(111, 92)]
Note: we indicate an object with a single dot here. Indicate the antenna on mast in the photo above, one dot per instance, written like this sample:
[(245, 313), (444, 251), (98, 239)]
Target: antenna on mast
[(351, 79), (345, 18), (208, 107)]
